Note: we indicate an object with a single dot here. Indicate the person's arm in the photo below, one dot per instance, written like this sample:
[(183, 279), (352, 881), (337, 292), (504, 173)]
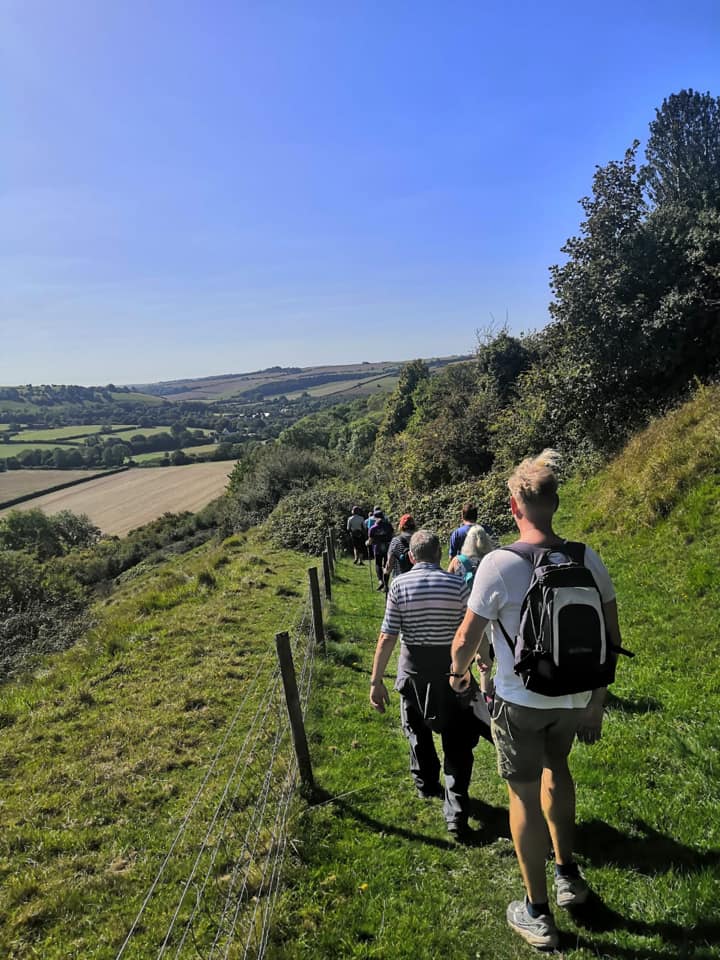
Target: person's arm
[(590, 726), (390, 560), (469, 640), (379, 696)]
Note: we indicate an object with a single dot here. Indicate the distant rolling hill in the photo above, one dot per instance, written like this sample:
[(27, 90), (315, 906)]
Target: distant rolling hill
[(274, 381)]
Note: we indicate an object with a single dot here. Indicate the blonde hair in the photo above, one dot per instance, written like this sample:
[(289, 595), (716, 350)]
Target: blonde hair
[(534, 482), (477, 542)]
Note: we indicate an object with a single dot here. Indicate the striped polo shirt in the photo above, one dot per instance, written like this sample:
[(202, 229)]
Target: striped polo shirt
[(425, 607)]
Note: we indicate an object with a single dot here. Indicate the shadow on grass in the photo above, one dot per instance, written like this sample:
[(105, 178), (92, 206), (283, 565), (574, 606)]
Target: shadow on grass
[(494, 822), (321, 796), (597, 917), (646, 851), (642, 705)]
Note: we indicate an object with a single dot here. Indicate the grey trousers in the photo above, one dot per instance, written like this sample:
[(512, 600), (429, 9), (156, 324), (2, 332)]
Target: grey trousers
[(459, 732)]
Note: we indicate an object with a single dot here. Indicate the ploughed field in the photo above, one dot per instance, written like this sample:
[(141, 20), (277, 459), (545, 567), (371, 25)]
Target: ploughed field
[(123, 501), (20, 483)]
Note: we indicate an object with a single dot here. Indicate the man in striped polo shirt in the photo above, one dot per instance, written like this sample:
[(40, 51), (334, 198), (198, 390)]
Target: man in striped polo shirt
[(425, 607)]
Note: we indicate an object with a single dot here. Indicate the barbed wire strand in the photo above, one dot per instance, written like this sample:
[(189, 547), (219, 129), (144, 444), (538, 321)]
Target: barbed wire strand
[(257, 815), (281, 732), (208, 834), (196, 799), (280, 819)]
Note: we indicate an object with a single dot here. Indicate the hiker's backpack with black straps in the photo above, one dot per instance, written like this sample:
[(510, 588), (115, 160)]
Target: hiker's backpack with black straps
[(562, 644)]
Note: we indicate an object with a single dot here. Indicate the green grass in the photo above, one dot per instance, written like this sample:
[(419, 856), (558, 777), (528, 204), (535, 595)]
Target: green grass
[(160, 455), (103, 747), (13, 449), (59, 433), (136, 431), (137, 398)]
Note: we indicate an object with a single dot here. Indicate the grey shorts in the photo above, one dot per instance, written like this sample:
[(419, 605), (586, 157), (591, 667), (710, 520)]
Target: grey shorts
[(528, 739)]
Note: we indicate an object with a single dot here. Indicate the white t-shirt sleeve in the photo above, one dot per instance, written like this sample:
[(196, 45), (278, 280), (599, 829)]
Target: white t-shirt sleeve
[(489, 593), (602, 577)]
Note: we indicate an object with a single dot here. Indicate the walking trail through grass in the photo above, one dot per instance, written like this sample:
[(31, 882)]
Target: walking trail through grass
[(376, 875)]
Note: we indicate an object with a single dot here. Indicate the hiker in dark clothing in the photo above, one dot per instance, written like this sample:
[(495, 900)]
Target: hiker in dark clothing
[(424, 608), (379, 537), (398, 556), (356, 528)]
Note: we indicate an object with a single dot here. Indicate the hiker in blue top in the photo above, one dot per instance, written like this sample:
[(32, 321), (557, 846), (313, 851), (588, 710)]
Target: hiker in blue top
[(476, 544), (457, 537)]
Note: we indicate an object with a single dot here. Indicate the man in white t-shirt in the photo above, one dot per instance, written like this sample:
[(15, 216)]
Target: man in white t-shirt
[(533, 733)]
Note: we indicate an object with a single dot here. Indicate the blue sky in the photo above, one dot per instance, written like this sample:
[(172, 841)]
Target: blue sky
[(192, 187)]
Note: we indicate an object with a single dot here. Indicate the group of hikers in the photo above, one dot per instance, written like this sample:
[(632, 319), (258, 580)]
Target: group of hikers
[(539, 621), (391, 553)]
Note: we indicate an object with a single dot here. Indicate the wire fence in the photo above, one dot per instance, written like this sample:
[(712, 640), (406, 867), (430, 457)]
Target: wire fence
[(215, 886)]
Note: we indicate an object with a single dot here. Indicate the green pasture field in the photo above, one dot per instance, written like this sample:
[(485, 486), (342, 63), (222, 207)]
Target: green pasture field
[(59, 433), (160, 455), (137, 398), (103, 747), (13, 449), (131, 432)]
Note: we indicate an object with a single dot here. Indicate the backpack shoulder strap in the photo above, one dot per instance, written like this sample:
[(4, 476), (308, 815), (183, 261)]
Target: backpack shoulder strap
[(575, 550), (465, 562), (528, 552)]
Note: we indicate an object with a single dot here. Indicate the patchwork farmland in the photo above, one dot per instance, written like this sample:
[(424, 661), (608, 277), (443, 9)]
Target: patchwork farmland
[(123, 501)]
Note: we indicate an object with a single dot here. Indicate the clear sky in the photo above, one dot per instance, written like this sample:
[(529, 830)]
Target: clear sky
[(191, 187)]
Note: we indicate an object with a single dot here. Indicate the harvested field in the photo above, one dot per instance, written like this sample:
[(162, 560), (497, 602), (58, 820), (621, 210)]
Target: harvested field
[(126, 500), (18, 483)]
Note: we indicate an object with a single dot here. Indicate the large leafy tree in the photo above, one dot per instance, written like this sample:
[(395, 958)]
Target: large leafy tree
[(683, 151)]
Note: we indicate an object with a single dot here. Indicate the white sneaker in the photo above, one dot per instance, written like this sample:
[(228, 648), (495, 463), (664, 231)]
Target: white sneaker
[(571, 891), (537, 931)]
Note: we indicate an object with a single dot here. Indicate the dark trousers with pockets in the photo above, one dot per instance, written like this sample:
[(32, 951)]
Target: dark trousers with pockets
[(459, 731)]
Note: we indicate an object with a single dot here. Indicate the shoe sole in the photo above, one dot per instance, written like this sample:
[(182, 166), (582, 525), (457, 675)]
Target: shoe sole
[(546, 943)]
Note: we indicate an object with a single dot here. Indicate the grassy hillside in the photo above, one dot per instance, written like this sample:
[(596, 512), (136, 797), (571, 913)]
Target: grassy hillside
[(376, 875), (103, 749)]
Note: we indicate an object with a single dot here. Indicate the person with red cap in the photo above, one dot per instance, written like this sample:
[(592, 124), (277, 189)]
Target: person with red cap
[(398, 556)]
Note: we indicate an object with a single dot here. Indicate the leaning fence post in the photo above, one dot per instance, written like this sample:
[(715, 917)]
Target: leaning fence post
[(292, 700), (316, 605), (328, 550), (326, 575), (331, 540)]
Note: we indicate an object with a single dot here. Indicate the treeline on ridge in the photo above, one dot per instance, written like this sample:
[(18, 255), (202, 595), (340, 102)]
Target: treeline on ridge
[(634, 325)]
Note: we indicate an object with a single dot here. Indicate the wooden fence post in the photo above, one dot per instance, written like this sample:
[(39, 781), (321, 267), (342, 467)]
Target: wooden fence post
[(328, 550), (333, 551), (316, 605), (326, 575), (297, 727)]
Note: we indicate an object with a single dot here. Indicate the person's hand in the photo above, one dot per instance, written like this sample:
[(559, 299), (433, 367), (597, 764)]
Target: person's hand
[(460, 684), (590, 726), (379, 696)]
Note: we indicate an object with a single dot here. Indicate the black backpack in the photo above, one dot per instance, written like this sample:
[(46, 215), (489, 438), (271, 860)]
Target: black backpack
[(404, 564), (562, 645)]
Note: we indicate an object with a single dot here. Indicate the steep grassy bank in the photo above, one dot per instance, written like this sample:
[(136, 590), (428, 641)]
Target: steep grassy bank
[(103, 749), (376, 875)]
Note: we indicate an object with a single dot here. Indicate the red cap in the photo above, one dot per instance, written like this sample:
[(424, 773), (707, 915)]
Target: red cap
[(406, 520)]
